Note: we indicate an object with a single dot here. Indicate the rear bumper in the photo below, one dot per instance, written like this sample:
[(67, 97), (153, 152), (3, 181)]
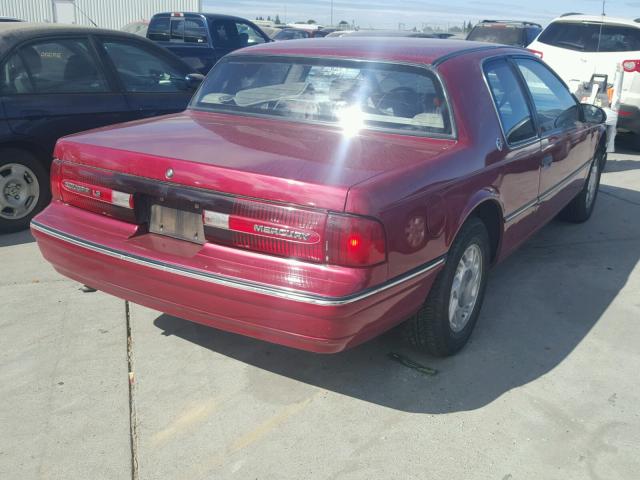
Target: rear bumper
[(299, 319)]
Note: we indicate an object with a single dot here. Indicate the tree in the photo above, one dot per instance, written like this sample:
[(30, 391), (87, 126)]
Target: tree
[(269, 18), (311, 22), (277, 21)]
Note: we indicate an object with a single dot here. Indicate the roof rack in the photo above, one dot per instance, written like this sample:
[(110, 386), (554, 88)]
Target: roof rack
[(570, 14), (523, 22)]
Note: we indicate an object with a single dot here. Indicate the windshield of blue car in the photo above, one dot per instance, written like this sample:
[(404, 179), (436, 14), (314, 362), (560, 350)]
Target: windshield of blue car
[(347, 93)]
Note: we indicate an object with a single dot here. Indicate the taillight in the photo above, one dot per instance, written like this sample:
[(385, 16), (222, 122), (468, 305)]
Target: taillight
[(56, 179), (354, 241), (312, 236), (631, 66), (261, 227), (537, 53), (88, 189)]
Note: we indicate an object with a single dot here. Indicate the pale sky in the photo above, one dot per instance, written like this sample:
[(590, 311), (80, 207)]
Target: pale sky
[(388, 13)]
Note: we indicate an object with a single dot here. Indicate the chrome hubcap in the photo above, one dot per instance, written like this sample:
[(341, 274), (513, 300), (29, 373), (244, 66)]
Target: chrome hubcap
[(19, 191), (592, 183), (465, 287)]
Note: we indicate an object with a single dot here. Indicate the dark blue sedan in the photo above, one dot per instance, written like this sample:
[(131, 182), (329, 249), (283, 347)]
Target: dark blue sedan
[(58, 80)]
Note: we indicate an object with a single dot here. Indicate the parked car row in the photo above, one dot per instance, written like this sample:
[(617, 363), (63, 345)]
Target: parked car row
[(579, 47), (319, 192), (314, 194)]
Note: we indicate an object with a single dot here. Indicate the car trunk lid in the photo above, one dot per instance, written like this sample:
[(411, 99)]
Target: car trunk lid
[(273, 160)]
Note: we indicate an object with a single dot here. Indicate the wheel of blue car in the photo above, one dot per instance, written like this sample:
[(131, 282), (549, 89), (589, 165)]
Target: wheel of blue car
[(24, 189), (444, 323), (581, 207)]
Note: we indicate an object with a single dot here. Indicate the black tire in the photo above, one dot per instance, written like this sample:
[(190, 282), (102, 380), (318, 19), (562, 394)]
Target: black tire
[(40, 175), (429, 330), (579, 210)]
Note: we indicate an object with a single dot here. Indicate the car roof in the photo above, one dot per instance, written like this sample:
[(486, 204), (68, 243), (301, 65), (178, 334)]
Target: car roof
[(399, 49), (388, 33), (208, 16), (571, 18), (15, 32)]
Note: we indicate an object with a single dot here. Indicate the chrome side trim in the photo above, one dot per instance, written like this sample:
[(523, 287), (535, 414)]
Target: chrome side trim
[(548, 193), (563, 183), (519, 211), (254, 287)]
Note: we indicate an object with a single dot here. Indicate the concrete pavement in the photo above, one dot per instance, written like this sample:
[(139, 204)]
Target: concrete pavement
[(547, 388)]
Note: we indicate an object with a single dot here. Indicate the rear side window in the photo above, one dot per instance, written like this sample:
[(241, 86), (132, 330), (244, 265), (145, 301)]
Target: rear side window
[(591, 37), (252, 35), (556, 107), (15, 78), (159, 29), (350, 94), (143, 71), (55, 66), (510, 101), (233, 35)]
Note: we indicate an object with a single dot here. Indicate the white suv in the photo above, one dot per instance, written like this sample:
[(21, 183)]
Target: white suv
[(579, 46)]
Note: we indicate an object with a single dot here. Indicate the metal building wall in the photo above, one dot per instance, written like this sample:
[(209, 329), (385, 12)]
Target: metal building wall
[(105, 13)]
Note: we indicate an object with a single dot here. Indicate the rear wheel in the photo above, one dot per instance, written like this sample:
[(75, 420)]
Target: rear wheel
[(444, 323), (581, 207), (24, 189)]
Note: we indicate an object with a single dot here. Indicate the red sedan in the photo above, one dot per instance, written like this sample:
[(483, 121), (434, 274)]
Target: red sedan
[(317, 193)]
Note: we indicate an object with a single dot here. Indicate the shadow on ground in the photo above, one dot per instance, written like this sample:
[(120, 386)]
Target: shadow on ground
[(540, 305), (19, 238)]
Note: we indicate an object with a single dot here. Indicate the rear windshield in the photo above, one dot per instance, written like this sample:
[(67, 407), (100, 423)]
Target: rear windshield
[(500, 33), (346, 93), (159, 28), (591, 37)]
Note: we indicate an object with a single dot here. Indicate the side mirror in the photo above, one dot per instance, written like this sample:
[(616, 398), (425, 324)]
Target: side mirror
[(194, 80), (593, 114)]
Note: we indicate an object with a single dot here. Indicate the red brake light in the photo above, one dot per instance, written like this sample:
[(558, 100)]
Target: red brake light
[(355, 241), (56, 179), (313, 236), (273, 229), (537, 53), (631, 66)]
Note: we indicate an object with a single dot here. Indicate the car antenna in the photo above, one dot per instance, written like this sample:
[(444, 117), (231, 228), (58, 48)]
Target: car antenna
[(87, 16), (603, 4)]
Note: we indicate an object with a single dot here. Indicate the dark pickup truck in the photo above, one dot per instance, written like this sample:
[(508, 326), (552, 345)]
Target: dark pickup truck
[(201, 39)]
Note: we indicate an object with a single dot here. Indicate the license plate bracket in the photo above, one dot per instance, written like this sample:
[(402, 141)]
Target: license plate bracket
[(175, 223)]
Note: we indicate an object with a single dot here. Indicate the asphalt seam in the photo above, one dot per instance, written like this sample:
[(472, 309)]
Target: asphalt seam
[(133, 421), (617, 197)]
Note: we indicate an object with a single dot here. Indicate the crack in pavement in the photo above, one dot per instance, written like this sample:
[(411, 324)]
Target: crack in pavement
[(133, 421), (634, 238), (617, 197)]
